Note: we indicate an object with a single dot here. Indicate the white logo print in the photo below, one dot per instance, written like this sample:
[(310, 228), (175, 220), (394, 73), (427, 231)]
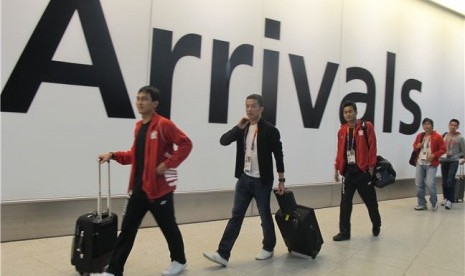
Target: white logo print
[(153, 135)]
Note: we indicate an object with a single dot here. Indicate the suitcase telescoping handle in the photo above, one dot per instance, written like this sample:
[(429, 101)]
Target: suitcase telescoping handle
[(99, 199)]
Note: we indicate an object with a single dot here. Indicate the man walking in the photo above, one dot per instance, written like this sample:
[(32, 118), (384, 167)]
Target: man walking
[(152, 182), (256, 141), (355, 161), (455, 146)]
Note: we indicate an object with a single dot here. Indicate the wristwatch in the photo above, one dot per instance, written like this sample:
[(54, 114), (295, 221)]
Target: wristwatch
[(282, 180)]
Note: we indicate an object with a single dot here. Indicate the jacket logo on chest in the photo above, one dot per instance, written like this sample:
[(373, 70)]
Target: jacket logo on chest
[(153, 135)]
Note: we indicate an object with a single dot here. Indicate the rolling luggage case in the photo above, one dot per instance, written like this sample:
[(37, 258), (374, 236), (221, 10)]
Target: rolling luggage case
[(459, 185), (299, 227), (95, 235)]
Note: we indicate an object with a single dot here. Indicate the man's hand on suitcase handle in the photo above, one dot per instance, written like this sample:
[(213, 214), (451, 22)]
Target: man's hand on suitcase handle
[(280, 190), (104, 157)]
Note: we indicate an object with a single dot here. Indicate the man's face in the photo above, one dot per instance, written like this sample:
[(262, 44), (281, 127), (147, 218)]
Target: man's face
[(144, 103), (453, 126), (253, 109), (427, 127), (350, 115)]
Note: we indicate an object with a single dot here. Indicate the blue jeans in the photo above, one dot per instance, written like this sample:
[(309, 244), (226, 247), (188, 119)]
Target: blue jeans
[(425, 176), (247, 188)]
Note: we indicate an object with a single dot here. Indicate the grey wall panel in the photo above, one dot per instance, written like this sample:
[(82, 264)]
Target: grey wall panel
[(39, 219)]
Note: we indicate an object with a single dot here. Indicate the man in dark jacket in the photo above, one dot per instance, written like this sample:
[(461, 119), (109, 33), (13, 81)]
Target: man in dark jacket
[(256, 141)]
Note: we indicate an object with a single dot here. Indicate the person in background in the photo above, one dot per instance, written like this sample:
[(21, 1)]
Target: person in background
[(431, 146), (256, 141), (152, 182), (455, 145), (355, 161)]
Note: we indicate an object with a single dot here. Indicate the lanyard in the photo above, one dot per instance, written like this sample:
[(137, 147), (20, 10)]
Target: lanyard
[(353, 138), (253, 139), (449, 141)]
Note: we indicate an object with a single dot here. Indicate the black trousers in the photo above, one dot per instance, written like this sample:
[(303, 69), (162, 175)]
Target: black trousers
[(162, 210), (357, 181)]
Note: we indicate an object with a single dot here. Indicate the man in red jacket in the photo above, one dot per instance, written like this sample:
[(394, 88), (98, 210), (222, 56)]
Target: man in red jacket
[(431, 147), (152, 182), (355, 161)]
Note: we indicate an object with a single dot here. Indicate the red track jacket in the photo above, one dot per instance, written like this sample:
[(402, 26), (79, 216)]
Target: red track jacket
[(161, 135), (365, 155), (438, 147)]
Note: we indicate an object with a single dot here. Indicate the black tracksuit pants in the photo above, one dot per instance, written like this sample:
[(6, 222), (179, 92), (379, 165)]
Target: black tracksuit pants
[(352, 181), (162, 210)]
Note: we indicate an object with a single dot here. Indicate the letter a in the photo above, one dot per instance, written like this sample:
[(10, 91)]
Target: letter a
[(36, 65)]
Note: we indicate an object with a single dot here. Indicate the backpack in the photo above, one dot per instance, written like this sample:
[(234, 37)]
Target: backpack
[(384, 174)]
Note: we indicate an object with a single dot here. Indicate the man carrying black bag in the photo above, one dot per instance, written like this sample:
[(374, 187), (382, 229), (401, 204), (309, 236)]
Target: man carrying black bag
[(356, 161)]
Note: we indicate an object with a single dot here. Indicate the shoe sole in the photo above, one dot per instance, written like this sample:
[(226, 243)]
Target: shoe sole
[(213, 260), (170, 274), (262, 259)]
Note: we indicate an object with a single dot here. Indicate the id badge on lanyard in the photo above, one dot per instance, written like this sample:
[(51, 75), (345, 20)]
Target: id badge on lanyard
[(350, 148), (248, 155), (351, 156)]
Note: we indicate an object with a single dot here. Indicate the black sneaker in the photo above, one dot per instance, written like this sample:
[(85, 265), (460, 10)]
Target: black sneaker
[(376, 230), (341, 237)]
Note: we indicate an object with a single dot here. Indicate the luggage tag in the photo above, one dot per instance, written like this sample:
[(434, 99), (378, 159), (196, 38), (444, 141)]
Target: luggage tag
[(351, 156)]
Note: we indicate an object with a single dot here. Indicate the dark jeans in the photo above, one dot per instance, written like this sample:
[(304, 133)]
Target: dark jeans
[(357, 181), (448, 170), (162, 210), (247, 188)]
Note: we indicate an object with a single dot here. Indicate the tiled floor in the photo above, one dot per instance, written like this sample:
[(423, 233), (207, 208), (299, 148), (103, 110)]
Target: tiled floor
[(411, 243)]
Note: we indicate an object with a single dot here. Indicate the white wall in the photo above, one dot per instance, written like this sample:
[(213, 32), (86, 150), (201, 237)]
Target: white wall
[(50, 151)]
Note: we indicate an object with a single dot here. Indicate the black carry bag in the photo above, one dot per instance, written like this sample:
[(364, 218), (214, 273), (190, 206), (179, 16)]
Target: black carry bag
[(95, 235), (459, 185), (299, 227), (384, 173)]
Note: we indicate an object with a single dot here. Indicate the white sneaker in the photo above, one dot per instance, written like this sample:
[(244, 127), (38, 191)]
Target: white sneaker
[(175, 268), (264, 255), (216, 258), (102, 274), (435, 206), (448, 205)]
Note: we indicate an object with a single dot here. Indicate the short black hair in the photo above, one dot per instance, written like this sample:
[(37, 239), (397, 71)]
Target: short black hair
[(349, 103), (153, 91), (455, 121), (256, 97), (427, 120)]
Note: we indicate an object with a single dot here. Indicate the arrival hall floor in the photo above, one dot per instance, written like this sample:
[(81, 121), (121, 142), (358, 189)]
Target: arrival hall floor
[(411, 243)]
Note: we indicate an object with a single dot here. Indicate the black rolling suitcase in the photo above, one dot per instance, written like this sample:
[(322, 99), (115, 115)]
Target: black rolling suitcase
[(459, 185), (95, 236), (298, 226)]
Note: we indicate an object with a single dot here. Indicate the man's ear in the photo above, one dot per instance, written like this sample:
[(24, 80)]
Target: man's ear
[(155, 104)]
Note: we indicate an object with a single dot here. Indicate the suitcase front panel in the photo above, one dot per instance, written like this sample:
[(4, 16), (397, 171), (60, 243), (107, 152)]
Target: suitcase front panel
[(301, 233), (94, 242)]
